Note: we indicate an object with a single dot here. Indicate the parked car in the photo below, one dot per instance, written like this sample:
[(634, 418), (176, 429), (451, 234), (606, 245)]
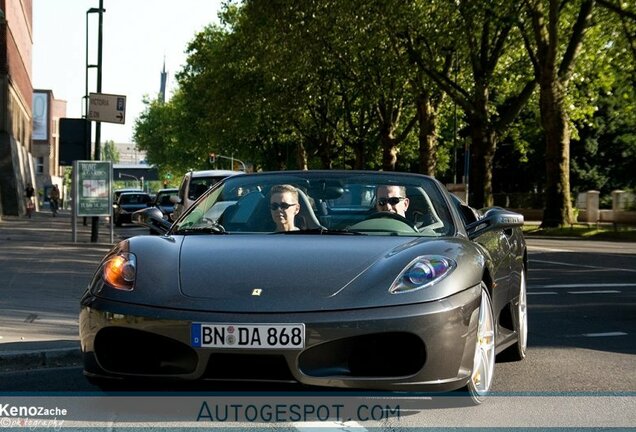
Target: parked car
[(127, 204), (118, 192), (354, 297), (163, 202), (194, 184)]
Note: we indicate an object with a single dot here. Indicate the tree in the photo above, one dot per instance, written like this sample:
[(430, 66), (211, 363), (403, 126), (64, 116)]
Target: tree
[(603, 152), (627, 15), (110, 152), (553, 37), (491, 96)]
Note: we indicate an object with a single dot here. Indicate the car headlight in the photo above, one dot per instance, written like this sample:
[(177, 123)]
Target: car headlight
[(422, 272), (120, 271)]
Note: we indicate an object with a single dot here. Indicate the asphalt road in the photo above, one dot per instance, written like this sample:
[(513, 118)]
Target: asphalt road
[(579, 371)]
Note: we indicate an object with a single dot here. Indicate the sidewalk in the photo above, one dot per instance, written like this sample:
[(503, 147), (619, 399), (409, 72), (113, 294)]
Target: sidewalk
[(44, 274)]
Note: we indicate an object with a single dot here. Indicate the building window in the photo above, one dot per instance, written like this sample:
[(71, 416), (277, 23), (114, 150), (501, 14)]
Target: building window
[(39, 165)]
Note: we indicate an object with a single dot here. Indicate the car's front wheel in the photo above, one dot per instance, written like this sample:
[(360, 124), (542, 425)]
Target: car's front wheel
[(484, 358)]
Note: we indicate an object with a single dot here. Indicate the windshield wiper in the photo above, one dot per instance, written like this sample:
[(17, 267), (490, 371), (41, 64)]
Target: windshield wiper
[(321, 231)]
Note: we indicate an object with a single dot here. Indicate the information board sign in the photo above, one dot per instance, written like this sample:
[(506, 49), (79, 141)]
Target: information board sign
[(109, 108), (92, 188)]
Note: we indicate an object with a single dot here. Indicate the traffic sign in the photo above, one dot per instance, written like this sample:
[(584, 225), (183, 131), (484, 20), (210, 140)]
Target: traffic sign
[(107, 108)]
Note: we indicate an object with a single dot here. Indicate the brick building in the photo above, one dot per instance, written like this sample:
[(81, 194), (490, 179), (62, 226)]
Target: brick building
[(16, 99)]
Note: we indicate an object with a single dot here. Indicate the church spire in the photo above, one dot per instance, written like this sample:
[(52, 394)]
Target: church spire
[(162, 87)]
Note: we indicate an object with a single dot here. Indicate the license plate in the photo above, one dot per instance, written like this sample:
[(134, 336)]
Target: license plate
[(274, 336)]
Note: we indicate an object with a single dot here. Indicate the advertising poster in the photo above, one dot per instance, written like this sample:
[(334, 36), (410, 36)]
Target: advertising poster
[(93, 181), (40, 116)]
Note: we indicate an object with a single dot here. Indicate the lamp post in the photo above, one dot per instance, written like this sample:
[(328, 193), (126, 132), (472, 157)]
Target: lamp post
[(89, 66), (98, 126), (230, 158)]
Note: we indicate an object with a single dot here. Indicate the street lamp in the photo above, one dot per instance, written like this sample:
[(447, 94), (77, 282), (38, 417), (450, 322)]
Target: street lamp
[(214, 156)]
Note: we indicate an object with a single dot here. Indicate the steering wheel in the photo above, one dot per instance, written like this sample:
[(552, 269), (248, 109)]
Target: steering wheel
[(391, 215)]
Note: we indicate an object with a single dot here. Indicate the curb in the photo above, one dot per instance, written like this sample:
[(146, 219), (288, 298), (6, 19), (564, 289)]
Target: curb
[(11, 361)]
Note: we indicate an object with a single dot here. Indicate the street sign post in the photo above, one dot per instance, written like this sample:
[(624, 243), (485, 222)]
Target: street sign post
[(108, 108)]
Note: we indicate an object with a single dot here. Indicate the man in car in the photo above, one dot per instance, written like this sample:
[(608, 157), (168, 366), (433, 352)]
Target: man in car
[(392, 198)]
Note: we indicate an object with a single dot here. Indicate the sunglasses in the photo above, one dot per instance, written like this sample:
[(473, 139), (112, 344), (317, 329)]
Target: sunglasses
[(275, 206), (393, 201)]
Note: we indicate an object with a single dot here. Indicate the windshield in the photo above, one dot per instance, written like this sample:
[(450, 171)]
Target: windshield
[(322, 202)]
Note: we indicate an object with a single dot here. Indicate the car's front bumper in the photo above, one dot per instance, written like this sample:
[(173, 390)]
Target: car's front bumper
[(418, 347)]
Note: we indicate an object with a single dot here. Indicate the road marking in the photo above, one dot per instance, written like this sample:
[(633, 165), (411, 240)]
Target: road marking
[(604, 334), (542, 293), (586, 285), (330, 425), (595, 292), (547, 249), (581, 265)]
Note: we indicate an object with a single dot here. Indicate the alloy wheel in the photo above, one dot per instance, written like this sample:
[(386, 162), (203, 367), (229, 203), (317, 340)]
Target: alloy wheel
[(484, 359)]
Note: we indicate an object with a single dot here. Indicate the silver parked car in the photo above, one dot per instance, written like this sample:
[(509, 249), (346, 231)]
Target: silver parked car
[(194, 184)]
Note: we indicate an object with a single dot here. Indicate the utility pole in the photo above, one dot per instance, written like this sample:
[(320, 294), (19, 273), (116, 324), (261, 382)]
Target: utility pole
[(98, 125)]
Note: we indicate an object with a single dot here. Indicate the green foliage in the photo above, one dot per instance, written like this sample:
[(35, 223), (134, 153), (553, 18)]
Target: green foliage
[(283, 84), (110, 152)]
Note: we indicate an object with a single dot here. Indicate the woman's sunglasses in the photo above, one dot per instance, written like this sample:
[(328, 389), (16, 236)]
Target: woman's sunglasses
[(275, 206), (393, 201)]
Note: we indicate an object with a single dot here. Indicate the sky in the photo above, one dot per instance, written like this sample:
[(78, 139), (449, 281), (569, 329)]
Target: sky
[(137, 36)]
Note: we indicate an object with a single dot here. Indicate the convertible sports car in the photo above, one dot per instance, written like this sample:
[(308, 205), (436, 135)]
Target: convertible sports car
[(354, 297)]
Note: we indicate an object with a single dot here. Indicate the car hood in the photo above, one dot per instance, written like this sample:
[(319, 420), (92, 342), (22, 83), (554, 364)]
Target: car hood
[(297, 273)]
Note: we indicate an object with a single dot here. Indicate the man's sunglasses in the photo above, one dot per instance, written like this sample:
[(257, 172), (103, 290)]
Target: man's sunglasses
[(393, 201), (275, 206)]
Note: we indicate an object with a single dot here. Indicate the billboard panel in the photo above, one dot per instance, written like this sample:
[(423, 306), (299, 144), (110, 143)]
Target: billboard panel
[(92, 188), (75, 138), (40, 116)]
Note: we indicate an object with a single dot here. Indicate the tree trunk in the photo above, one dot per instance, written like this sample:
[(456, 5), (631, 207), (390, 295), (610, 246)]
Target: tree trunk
[(326, 158), (554, 120), (360, 155), (302, 157), (389, 150), (482, 152), (428, 141)]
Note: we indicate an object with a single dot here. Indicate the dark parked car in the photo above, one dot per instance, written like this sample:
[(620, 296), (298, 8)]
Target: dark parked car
[(162, 201), (127, 204), (353, 297), (118, 192)]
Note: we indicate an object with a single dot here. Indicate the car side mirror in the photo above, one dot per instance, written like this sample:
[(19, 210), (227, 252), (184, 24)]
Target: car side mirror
[(494, 218), (152, 218)]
